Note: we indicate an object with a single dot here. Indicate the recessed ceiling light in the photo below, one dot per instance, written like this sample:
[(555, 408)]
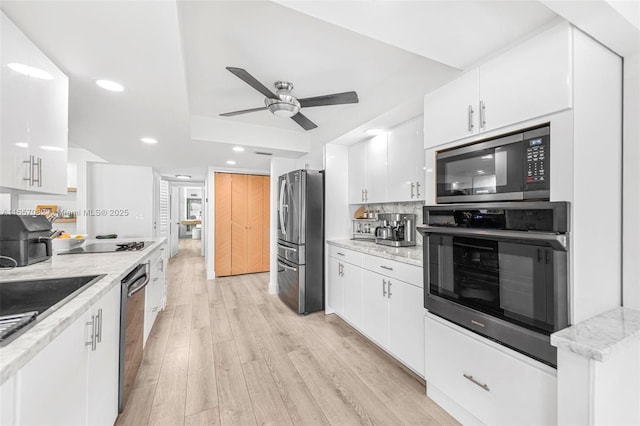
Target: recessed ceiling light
[(149, 140), (374, 132), (231, 162), (110, 85), (238, 148), (51, 148), (22, 144), (30, 71), (183, 176)]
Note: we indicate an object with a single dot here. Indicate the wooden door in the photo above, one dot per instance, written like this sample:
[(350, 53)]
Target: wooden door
[(222, 215), (239, 224), (255, 223), (266, 221)]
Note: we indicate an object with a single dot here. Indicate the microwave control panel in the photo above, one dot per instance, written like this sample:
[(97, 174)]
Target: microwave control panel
[(537, 160)]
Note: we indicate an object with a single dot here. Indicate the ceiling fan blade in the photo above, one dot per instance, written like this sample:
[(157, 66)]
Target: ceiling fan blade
[(304, 122), (251, 81), (335, 99), (244, 111)]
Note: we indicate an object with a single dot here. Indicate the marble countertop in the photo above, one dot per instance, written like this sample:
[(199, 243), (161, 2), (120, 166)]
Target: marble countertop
[(602, 336), (410, 255), (114, 265)]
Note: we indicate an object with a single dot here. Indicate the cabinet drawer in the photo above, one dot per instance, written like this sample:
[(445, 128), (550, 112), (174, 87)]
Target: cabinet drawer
[(490, 383), (346, 255), (398, 270)]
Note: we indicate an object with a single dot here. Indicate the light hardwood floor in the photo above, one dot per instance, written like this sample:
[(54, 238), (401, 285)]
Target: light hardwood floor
[(225, 352)]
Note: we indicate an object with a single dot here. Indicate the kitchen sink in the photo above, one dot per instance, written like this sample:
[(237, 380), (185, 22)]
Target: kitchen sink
[(24, 302)]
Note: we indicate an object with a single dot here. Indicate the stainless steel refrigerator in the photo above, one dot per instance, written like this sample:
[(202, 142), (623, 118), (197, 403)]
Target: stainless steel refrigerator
[(301, 240)]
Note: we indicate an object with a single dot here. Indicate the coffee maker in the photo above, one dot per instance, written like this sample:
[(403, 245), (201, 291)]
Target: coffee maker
[(397, 229)]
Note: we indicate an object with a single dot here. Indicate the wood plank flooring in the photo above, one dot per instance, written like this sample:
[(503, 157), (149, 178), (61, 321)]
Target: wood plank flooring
[(225, 352)]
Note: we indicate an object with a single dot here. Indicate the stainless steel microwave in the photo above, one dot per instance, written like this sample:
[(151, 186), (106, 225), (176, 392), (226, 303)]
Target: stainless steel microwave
[(507, 168)]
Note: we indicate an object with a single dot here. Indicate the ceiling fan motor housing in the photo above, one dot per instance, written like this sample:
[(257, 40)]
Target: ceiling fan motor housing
[(287, 105)]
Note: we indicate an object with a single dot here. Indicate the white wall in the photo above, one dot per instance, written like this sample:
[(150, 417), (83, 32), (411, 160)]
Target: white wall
[(81, 157), (279, 166), (124, 196), (631, 183)]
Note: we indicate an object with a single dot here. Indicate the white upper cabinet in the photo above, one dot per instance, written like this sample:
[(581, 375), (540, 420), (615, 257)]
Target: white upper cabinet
[(357, 172), (531, 80), (405, 162), (388, 167), (451, 111), (34, 114)]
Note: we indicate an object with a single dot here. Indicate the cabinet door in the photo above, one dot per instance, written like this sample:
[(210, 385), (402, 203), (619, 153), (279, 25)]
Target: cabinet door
[(405, 162), (406, 324), (447, 115), (222, 214), (357, 172), (53, 385), (335, 282), (529, 81), (48, 120), (14, 107), (239, 248), (102, 367), (376, 189), (375, 307), (352, 288)]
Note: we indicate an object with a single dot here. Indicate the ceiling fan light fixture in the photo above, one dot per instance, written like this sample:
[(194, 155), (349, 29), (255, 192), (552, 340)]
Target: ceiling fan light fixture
[(287, 106)]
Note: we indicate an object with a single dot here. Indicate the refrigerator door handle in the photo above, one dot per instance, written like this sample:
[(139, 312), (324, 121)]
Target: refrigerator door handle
[(282, 206), (287, 267)]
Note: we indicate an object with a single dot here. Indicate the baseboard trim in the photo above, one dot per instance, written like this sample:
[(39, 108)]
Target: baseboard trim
[(273, 288), (211, 275)]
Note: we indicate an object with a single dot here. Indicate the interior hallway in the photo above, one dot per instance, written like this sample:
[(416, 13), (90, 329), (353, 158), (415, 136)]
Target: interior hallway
[(226, 352)]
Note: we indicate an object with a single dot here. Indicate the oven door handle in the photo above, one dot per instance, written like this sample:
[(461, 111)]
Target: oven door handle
[(557, 241)]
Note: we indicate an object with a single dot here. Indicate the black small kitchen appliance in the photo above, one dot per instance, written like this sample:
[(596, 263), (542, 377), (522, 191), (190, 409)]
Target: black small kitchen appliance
[(25, 239)]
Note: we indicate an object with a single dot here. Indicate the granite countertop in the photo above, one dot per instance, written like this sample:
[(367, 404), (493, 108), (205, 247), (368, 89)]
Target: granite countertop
[(602, 336), (411, 255), (114, 265)]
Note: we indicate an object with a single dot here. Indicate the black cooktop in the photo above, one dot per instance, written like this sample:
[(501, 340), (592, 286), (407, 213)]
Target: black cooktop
[(107, 248)]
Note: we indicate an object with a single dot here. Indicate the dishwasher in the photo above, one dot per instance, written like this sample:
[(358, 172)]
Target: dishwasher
[(131, 329)]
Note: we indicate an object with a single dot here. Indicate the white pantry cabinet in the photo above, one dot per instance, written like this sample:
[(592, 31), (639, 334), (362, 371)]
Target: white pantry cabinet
[(335, 282), (405, 162), (528, 81), (485, 381), (74, 379), (155, 292), (34, 114)]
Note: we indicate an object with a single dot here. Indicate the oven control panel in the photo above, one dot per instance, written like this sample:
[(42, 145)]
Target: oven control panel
[(537, 155)]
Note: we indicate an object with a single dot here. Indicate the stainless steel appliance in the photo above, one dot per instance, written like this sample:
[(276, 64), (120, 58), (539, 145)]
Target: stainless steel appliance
[(507, 168), (131, 329), (500, 270), (397, 229), (301, 240), (107, 247), (25, 239)]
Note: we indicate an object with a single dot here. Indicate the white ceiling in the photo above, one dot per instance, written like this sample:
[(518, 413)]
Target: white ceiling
[(171, 58)]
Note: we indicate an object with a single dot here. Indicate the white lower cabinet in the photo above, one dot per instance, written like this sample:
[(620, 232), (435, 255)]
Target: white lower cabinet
[(480, 381), (155, 291), (369, 294), (74, 379)]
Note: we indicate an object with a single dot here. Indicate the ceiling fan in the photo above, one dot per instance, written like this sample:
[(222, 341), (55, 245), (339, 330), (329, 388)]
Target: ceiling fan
[(284, 104)]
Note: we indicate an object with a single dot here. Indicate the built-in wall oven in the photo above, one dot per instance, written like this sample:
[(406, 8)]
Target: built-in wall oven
[(500, 270)]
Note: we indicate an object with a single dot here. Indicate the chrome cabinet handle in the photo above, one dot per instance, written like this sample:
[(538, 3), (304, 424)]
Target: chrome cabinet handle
[(388, 268), (161, 265), (341, 254), (470, 118), (39, 171), (412, 186), (99, 326), (30, 163), (362, 194), (474, 381), (155, 309), (483, 117), (389, 289), (92, 343), (417, 189), (366, 195), (384, 290)]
